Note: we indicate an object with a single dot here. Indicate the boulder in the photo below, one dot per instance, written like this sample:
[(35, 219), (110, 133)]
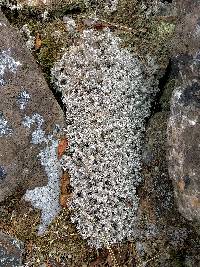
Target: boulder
[(24, 96)]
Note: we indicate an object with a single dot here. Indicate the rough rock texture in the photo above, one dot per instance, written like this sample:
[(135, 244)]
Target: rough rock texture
[(184, 156), (187, 33), (11, 251), (23, 93), (183, 126)]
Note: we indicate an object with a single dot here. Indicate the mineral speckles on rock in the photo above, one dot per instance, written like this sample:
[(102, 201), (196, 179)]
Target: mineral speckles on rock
[(45, 198), (5, 129), (7, 63), (22, 99), (107, 100)]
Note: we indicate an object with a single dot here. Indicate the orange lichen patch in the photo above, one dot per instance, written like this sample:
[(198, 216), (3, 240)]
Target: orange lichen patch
[(38, 41), (195, 202), (181, 185), (62, 146), (65, 190)]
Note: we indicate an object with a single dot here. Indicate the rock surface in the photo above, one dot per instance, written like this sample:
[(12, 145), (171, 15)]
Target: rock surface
[(23, 92), (10, 251), (184, 121), (184, 156)]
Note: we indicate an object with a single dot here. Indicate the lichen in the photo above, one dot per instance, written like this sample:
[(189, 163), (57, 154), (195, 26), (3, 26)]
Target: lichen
[(107, 100), (45, 198), (5, 129), (7, 64), (23, 99)]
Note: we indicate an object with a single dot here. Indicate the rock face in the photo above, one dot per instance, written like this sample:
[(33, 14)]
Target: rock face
[(184, 157), (10, 251), (28, 113), (184, 122)]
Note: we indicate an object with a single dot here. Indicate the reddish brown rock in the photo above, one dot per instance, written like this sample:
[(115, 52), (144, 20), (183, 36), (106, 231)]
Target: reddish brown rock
[(23, 92)]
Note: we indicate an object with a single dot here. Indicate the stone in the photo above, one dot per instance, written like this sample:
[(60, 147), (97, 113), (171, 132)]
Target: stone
[(184, 149), (184, 121), (11, 251), (24, 96)]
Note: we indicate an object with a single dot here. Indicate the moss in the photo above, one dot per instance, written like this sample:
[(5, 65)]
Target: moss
[(167, 93), (61, 8), (177, 258), (146, 35), (54, 37)]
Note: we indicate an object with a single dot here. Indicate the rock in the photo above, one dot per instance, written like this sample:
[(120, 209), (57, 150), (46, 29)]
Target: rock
[(184, 121), (187, 35), (29, 113), (11, 251), (184, 151)]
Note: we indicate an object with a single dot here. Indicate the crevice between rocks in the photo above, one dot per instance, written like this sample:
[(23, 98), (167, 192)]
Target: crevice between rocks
[(163, 81)]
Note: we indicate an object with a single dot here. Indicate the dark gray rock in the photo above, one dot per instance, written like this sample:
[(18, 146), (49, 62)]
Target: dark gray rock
[(23, 92), (184, 121), (184, 149), (11, 251)]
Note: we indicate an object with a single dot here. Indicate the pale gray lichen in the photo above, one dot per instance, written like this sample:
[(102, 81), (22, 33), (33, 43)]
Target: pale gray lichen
[(5, 129), (111, 5), (7, 63), (70, 24), (30, 43), (9, 4), (107, 99), (45, 198), (23, 99)]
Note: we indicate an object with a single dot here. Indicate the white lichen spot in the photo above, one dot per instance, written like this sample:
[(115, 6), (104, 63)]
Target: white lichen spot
[(45, 15), (70, 24), (5, 129), (30, 43), (178, 94), (2, 24), (7, 63), (23, 99), (36, 118), (11, 5), (192, 122), (196, 33), (107, 99), (45, 198), (111, 6)]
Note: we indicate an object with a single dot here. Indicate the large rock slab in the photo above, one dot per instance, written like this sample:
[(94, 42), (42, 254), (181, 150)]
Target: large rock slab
[(26, 105)]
